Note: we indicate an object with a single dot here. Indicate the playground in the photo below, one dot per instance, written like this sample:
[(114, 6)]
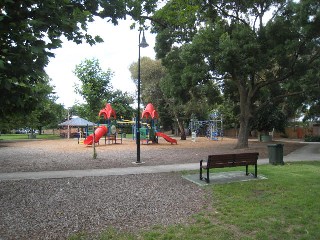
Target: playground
[(59, 207), (56, 208), (113, 150), (111, 130), (67, 154)]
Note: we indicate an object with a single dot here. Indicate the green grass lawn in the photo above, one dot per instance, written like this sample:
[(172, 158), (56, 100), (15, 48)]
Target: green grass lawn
[(7, 137), (285, 206)]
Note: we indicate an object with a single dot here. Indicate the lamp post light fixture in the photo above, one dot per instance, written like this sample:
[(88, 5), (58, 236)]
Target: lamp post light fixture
[(142, 44)]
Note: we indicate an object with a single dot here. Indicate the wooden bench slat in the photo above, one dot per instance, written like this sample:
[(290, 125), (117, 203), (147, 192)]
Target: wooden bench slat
[(217, 165), (250, 162)]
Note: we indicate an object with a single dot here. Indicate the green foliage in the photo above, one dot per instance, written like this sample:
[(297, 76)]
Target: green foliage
[(45, 113), (308, 138), (313, 112), (257, 60), (188, 83), (152, 74), (229, 112), (51, 114), (31, 30), (80, 110), (121, 103), (95, 86), (267, 118), (97, 90)]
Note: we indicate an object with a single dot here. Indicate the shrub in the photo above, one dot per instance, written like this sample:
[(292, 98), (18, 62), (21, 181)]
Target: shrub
[(309, 138)]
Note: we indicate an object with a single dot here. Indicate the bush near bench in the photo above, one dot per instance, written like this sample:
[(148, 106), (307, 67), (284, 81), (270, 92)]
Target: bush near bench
[(309, 138)]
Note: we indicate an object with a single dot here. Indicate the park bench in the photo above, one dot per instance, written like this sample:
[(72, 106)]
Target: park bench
[(228, 160)]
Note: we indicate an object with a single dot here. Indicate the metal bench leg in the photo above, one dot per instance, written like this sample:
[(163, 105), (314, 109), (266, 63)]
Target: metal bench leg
[(207, 180), (247, 170), (256, 170)]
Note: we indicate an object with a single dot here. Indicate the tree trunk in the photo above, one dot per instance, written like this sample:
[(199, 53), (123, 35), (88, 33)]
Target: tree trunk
[(243, 133), (245, 115), (182, 130), (181, 127)]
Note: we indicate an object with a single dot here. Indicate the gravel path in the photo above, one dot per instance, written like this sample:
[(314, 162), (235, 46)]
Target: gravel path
[(56, 208)]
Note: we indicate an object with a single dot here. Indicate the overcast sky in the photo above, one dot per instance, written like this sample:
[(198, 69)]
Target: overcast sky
[(117, 52)]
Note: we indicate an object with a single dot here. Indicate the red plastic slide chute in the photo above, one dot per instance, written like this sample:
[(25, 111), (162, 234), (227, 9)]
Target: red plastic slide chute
[(99, 132), (108, 112), (166, 137), (150, 112)]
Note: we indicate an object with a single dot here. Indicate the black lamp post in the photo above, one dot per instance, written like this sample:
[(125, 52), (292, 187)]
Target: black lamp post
[(142, 44)]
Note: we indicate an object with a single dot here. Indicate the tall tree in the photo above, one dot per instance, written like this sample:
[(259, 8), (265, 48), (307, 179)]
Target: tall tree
[(95, 87), (31, 29), (121, 103), (152, 73), (46, 112), (243, 44), (187, 87)]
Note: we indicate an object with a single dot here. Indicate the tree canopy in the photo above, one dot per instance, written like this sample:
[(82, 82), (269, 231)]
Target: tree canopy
[(46, 113), (253, 47), (260, 50), (96, 89), (95, 86), (31, 29), (152, 73)]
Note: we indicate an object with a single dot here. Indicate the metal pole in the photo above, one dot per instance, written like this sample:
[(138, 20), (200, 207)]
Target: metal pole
[(138, 109), (68, 134)]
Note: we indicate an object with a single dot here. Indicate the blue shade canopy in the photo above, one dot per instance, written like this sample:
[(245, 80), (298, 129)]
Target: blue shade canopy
[(77, 122)]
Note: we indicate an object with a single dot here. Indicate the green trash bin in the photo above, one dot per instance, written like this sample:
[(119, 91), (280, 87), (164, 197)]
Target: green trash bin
[(275, 154)]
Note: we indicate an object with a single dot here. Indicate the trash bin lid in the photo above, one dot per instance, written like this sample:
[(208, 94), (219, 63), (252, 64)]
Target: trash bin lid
[(272, 145), (276, 145)]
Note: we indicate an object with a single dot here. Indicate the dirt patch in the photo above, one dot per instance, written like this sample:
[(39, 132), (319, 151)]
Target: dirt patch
[(67, 154)]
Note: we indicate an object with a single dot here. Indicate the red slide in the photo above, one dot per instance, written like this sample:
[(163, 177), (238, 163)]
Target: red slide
[(99, 132), (166, 137)]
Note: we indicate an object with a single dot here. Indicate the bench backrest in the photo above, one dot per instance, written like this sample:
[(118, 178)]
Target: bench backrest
[(232, 159), (220, 160), (250, 158)]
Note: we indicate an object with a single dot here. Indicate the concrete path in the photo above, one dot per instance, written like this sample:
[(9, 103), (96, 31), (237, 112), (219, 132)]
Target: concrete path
[(309, 152), (139, 169)]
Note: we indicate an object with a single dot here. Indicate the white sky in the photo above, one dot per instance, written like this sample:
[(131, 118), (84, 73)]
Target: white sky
[(117, 52)]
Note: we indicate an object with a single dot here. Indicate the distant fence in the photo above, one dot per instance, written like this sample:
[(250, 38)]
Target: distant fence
[(51, 131), (290, 132)]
